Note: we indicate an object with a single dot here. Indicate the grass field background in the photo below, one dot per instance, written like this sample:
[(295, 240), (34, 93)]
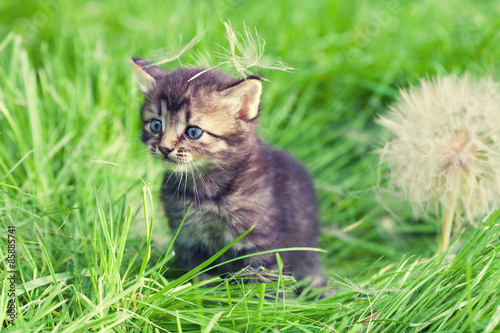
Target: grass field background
[(91, 238)]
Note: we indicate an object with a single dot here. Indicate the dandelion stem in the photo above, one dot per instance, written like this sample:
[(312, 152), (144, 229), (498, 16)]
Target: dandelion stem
[(448, 216)]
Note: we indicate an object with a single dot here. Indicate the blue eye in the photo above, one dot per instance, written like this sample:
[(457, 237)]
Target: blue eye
[(155, 126), (194, 132)]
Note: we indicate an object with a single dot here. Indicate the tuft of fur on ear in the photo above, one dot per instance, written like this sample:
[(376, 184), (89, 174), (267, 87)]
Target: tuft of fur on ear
[(147, 73), (244, 98)]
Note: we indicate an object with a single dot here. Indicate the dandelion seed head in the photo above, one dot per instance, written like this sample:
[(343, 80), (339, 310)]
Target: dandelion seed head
[(165, 56), (250, 47), (244, 56), (446, 141)]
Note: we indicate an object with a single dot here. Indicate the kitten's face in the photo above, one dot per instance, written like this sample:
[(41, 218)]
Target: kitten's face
[(202, 122), (193, 131)]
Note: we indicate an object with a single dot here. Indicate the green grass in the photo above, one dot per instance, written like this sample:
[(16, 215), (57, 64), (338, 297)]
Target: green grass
[(92, 243)]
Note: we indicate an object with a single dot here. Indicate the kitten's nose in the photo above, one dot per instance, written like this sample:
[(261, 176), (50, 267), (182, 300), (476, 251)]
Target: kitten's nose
[(165, 150)]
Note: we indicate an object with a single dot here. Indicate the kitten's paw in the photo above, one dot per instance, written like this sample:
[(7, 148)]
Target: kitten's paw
[(328, 293), (319, 281)]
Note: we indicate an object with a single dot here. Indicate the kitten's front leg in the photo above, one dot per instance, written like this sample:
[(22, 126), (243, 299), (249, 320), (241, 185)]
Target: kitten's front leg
[(188, 257)]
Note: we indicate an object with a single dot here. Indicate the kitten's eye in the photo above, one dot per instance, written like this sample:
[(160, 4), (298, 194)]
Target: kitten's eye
[(155, 126), (194, 132)]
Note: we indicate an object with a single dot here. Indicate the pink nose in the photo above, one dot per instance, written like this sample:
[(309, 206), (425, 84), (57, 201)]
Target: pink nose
[(165, 150)]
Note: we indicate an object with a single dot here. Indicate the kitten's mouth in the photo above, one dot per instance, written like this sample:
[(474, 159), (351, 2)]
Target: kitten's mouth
[(169, 159)]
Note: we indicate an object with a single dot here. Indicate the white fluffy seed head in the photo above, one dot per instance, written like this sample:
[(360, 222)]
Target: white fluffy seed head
[(250, 46), (446, 144)]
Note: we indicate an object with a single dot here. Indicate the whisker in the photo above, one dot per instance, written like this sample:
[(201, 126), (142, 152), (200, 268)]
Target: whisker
[(206, 174), (204, 183), (201, 178), (129, 155), (220, 167), (146, 159), (173, 173), (148, 166), (178, 192), (186, 182), (195, 189)]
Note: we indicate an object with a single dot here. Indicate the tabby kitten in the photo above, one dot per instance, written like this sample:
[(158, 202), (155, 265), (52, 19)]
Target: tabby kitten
[(204, 130)]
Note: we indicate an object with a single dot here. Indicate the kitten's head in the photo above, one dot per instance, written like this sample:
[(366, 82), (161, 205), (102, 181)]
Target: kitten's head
[(207, 120)]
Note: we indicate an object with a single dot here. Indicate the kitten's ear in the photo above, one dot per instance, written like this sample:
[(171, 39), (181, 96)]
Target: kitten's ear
[(147, 72), (245, 98)]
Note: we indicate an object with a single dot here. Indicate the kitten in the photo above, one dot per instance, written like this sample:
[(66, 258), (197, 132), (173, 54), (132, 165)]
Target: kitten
[(204, 130)]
